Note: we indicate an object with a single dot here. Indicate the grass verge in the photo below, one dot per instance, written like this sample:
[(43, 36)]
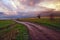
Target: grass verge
[(23, 33)]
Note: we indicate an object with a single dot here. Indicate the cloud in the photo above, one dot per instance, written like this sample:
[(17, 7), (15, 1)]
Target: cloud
[(8, 4), (52, 4), (30, 2), (25, 5), (11, 7)]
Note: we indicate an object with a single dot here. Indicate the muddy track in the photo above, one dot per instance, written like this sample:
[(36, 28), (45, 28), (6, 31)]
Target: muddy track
[(38, 32)]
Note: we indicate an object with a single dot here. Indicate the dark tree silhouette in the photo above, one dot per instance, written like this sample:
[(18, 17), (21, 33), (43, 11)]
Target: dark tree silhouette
[(51, 17), (18, 19), (39, 16)]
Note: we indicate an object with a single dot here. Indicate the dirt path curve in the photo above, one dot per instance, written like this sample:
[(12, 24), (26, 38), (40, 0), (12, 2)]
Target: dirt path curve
[(38, 32)]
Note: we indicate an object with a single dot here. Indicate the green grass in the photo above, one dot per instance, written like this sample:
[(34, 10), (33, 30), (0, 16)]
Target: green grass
[(23, 33), (46, 22), (4, 23)]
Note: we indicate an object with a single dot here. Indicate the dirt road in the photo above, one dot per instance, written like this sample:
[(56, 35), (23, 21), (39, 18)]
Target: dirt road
[(38, 32)]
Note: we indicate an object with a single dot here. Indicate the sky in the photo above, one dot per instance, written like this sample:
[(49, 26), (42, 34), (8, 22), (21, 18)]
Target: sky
[(17, 7)]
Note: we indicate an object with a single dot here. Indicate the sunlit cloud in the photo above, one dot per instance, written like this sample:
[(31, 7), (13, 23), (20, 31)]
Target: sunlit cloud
[(52, 4), (11, 7)]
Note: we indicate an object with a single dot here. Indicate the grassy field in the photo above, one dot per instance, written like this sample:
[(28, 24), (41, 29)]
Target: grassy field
[(23, 33), (4, 23), (55, 24), (4, 26)]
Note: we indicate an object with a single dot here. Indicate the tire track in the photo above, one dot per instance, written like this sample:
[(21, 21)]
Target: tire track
[(38, 32)]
